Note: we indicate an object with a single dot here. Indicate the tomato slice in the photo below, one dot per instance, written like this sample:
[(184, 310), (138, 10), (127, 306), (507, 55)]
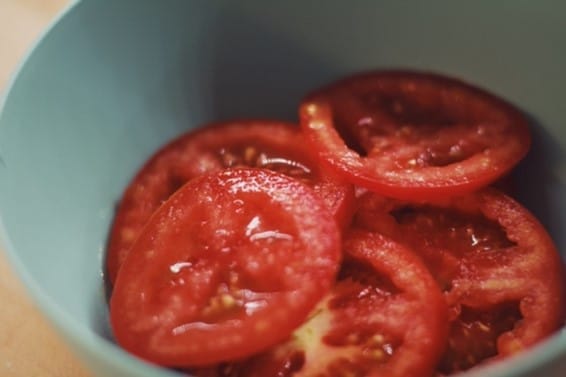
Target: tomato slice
[(254, 143), (412, 135), (384, 317), (229, 265), (498, 267)]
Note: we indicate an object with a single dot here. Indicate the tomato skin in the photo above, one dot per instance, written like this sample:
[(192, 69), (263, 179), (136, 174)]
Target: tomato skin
[(423, 136), (256, 143), (384, 317), (500, 272), (229, 265)]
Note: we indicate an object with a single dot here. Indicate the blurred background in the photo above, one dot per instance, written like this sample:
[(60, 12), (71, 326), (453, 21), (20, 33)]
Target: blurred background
[(28, 346), (21, 21)]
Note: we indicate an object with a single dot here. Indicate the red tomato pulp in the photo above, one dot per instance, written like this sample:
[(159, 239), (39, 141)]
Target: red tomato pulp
[(384, 317), (231, 272), (226, 267), (266, 144), (414, 135), (501, 273)]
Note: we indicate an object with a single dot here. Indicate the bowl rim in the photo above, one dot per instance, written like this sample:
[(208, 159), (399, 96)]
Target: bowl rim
[(94, 347)]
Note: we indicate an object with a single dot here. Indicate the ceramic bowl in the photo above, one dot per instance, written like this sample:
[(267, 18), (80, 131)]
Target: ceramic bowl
[(113, 80)]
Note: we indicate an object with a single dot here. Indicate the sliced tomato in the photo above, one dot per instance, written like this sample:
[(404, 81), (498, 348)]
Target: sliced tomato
[(229, 265), (384, 317), (500, 271), (412, 135), (255, 143)]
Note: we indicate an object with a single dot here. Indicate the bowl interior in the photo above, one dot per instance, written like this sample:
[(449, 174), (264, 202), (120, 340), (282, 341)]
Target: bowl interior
[(112, 81)]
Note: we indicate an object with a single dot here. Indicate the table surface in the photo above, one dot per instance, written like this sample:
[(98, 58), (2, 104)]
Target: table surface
[(28, 345)]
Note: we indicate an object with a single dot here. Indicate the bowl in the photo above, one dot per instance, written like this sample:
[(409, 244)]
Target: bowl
[(112, 81)]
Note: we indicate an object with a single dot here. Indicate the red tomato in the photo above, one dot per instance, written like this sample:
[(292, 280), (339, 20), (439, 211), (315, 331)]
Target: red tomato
[(414, 135), (384, 317), (229, 265), (265, 144), (501, 274)]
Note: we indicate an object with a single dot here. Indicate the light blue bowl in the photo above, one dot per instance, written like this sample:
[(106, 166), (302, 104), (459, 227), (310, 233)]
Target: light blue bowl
[(113, 80)]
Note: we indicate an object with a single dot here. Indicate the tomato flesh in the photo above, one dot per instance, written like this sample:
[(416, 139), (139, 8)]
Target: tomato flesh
[(413, 135), (474, 334), (226, 256), (229, 265), (385, 316), (265, 144), (500, 272)]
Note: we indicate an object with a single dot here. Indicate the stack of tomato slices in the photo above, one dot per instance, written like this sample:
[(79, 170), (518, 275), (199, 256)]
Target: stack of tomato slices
[(367, 241)]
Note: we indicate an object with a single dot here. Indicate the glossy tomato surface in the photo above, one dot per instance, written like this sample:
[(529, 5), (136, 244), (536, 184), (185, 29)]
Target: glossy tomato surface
[(229, 265), (265, 144), (384, 317), (501, 274), (414, 135)]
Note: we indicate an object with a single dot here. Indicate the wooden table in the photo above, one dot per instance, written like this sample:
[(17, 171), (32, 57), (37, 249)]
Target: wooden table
[(28, 345)]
